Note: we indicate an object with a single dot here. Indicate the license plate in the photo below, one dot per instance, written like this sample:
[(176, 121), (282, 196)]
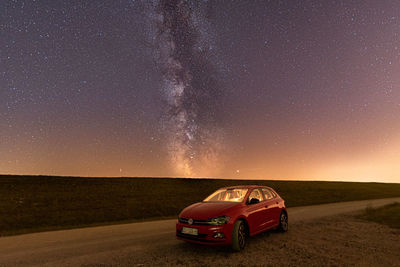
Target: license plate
[(190, 231)]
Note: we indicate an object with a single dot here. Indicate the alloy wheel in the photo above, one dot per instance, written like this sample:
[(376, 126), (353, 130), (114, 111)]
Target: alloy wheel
[(284, 222), (242, 236)]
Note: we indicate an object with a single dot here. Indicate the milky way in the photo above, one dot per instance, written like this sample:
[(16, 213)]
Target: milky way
[(301, 89), (191, 89)]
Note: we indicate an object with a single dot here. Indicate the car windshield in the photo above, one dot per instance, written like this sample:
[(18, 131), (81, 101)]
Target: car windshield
[(227, 195)]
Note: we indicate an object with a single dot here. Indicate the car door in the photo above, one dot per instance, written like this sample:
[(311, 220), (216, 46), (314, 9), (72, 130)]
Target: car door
[(272, 208), (255, 211)]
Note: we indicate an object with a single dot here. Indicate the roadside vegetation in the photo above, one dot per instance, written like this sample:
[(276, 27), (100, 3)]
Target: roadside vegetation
[(389, 215), (38, 203)]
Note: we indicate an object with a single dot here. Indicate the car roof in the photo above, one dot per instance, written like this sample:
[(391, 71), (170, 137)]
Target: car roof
[(245, 186)]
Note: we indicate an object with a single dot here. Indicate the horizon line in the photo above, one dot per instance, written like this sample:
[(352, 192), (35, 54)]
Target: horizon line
[(198, 178)]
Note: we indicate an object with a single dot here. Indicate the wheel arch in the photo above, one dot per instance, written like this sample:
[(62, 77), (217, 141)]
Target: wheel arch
[(246, 224), (286, 213)]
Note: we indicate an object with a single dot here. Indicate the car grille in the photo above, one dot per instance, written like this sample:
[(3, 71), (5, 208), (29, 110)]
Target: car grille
[(200, 237), (195, 222)]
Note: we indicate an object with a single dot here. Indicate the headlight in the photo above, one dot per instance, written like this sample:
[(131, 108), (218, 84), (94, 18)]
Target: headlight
[(219, 220)]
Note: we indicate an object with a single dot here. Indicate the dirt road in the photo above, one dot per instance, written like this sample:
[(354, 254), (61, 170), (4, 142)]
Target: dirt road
[(149, 243)]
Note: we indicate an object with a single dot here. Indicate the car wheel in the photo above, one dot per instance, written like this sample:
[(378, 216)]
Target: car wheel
[(283, 222), (238, 236)]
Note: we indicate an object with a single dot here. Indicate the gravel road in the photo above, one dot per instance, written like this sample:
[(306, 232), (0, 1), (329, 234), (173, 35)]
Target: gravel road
[(318, 235)]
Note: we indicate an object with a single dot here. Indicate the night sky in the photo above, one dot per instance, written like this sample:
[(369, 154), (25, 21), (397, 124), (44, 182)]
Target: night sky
[(230, 89)]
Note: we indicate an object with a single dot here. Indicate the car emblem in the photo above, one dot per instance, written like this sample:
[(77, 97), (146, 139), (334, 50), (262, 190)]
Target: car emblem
[(190, 221)]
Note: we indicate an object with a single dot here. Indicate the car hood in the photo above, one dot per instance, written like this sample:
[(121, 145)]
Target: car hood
[(206, 210)]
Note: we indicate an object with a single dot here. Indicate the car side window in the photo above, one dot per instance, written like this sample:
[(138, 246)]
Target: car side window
[(256, 194), (268, 194)]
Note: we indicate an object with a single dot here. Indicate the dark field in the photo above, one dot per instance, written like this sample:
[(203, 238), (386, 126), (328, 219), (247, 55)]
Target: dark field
[(389, 215), (37, 203)]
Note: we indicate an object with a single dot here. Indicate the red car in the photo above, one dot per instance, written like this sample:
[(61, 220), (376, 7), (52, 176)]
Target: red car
[(231, 214)]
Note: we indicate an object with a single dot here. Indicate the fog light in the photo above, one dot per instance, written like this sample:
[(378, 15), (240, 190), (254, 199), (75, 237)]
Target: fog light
[(219, 235)]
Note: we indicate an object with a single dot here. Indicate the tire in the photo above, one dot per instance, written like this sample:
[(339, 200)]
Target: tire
[(283, 222), (239, 236)]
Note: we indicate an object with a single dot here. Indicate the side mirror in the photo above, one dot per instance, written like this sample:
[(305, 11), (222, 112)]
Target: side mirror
[(254, 201)]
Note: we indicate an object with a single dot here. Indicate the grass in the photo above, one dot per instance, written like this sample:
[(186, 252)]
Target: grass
[(38, 203), (389, 215)]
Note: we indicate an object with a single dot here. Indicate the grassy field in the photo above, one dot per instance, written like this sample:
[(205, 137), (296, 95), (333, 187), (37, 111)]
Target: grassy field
[(389, 215), (36, 203)]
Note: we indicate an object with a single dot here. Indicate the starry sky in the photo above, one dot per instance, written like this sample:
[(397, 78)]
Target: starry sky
[(301, 90)]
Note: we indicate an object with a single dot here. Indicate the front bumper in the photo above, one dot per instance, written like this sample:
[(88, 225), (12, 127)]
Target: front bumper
[(206, 234)]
